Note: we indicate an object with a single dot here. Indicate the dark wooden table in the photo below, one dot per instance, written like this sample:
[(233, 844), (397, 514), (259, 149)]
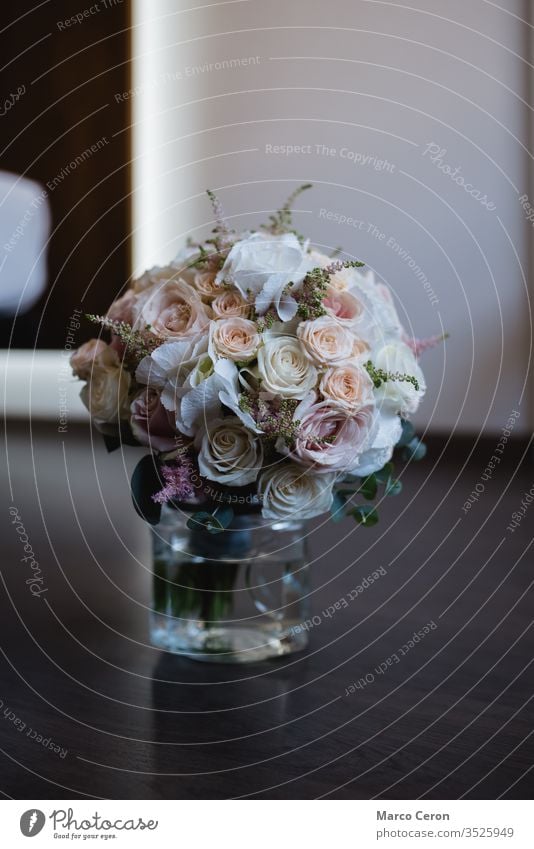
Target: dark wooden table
[(453, 718)]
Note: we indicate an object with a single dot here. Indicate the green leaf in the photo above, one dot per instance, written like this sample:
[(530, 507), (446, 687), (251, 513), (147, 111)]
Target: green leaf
[(393, 487), (145, 483), (384, 474), (408, 433), (337, 509), (224, 515), (365, 514), (369, 487), (212, 523), (415, 450)]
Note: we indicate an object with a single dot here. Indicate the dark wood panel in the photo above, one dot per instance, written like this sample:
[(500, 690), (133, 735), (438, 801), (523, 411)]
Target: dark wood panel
[(69, 133), (453, 718)]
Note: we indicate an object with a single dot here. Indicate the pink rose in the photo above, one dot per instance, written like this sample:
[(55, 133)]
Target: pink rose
[(151, 423), (230, 304), (122, 308), (172, 310), (328, 438), (343, 306), (90, 354), (326, 341)]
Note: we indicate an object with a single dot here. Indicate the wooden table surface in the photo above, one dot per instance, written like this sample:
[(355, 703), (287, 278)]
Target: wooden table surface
[(89, 709)]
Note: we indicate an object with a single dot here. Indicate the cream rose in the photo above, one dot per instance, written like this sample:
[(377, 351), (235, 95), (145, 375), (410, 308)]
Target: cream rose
[(290, 492), (235, 338), (229, 453), (285, 369), (230, 304), (172, 310), (326, 341), (89, 355), (347, 386), (400, 396), (106, 393)]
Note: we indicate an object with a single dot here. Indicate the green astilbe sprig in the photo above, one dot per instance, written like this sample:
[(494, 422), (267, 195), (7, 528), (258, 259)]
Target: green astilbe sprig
[(313, 291), (380, 376), (282, 220)]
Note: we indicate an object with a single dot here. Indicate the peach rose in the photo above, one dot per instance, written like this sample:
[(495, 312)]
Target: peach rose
[(230, 304), (348, 387), (235, 338), (204, 283), (92, 353), (325, 340), (172, 310)]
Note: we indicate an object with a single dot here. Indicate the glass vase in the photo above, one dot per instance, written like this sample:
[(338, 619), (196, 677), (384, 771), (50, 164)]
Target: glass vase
[(238, 596)]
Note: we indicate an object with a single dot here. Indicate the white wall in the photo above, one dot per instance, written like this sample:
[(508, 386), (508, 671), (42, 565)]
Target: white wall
[(382, 81)]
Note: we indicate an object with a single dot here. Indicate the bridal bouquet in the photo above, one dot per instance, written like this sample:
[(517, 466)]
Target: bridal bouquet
[(260, 372)]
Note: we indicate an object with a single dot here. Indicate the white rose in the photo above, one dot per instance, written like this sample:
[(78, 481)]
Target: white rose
[(347, 386), (229, 453), (400, 396), (263, 266), (285, 369), (290, 492), (326, 341), (106, 393), (235, 338)]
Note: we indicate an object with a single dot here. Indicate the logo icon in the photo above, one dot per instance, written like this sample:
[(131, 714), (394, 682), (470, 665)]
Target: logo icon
[(31, 822)]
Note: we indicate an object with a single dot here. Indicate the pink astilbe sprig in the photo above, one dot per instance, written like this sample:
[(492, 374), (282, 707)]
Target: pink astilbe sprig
[(419, 346), (178, 485)]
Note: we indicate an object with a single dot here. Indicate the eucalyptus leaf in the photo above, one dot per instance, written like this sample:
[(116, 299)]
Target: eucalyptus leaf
[(408, 433), (365, 514), (369, 487), (393, 487), (384, 474), (337, 509), (415, 450)]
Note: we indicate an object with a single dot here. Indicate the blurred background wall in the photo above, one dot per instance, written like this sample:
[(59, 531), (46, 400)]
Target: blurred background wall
[(411, 120), (412, 123)]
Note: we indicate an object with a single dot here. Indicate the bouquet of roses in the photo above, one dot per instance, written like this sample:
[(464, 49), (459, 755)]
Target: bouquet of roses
[(257, 371)]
